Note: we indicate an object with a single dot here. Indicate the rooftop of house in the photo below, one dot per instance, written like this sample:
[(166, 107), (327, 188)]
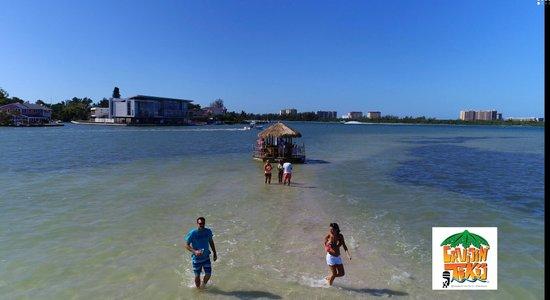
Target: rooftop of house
[(26, 106), (35, 106), (144, 97)]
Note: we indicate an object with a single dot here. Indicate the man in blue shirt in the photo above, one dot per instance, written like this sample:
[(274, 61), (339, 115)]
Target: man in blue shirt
[(197, 242)]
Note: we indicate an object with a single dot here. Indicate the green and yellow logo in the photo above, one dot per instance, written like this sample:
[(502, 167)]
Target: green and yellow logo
[(465, 256)]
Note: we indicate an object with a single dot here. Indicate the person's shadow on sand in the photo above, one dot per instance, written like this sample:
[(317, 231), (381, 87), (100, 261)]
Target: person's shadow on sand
[(243, 294), (374, 292), (301, 185), (316, 161)]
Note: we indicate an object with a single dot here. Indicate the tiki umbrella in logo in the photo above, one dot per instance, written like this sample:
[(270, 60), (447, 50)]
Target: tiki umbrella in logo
[(465, 239)]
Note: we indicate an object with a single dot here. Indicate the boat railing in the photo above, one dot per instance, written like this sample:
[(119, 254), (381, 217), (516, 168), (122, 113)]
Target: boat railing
[(277, 152), (258, 151)]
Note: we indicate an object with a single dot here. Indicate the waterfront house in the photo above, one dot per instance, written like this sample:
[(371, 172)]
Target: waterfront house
[(276, 143), (100, 115), (27, 113), (141, 110)]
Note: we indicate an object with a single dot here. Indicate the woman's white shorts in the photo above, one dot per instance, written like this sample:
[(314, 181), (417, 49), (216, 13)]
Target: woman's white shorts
[(333, 260)]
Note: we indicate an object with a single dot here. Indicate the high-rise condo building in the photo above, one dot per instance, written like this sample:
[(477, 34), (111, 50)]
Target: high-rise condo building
[(326, 114), (374, 115), (482, 115), (288, 111)]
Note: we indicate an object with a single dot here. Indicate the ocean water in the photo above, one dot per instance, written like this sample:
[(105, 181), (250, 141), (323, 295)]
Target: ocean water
[(100, 212)]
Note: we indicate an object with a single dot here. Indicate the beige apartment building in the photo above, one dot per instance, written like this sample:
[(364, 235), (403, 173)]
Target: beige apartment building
[(374, 115), (480, 115), (467, 115)]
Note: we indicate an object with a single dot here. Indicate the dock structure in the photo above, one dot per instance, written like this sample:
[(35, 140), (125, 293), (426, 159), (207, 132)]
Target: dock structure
[(276, 143)]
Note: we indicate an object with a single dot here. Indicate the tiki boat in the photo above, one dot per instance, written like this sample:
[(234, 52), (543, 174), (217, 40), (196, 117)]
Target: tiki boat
[(276, 143)]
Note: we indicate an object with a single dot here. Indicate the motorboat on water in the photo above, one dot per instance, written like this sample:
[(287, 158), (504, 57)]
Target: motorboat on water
[(255, 125)]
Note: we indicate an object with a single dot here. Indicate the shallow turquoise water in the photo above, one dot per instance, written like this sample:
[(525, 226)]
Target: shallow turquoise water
[(99, 212)]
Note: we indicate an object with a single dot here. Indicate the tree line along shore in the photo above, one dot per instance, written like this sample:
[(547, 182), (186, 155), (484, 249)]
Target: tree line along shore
[(78, 109)]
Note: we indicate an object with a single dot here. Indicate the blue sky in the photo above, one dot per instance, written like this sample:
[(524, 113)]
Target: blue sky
[(430, 58)]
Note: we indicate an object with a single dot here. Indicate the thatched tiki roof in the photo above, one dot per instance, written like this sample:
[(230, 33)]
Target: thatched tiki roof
[(279, 130)]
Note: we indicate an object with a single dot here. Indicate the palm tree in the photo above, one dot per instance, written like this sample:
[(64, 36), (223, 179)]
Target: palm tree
[(465, 239)]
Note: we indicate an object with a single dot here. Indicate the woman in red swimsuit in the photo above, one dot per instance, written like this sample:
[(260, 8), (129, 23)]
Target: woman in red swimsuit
[(333, 241)]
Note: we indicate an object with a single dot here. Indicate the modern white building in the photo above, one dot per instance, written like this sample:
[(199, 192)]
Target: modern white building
[(100, 115), (142, 109)]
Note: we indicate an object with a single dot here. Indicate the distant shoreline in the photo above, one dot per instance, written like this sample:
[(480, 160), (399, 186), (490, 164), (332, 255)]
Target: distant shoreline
[(524, 124), (445, 124), (35, 125), (503, 124)]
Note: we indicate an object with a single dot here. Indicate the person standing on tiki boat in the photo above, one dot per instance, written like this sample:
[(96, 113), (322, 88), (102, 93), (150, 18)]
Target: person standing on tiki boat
[(333, 241)]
